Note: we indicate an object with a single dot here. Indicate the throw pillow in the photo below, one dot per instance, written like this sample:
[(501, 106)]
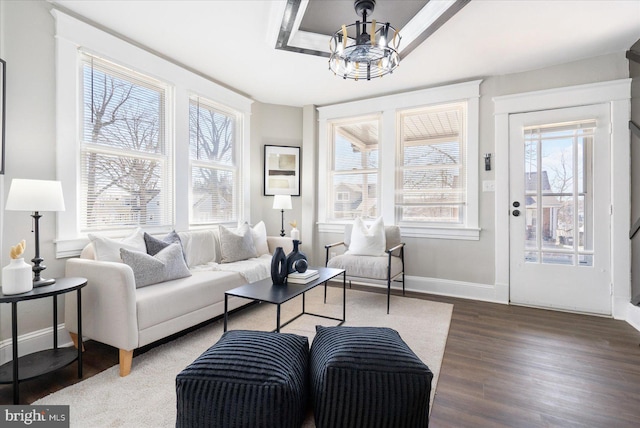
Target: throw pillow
[(236, 246), (108, 249), (367, 241), (259, 233), (165, 265), (155, 245)]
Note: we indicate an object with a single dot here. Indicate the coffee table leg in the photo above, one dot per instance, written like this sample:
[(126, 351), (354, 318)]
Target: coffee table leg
[(226, 313), (278, 319), (344, 295)]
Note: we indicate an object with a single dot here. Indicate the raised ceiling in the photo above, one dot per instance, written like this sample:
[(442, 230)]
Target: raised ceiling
[(233, 42)]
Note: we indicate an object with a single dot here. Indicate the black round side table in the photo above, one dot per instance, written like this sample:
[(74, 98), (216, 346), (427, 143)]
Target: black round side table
[(38, 363)]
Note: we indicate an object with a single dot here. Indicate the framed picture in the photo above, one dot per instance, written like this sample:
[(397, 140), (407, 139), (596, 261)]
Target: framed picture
[(3, 87), (281, 170)]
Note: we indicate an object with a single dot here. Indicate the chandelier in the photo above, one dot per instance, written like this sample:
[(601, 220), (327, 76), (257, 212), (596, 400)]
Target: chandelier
[(355, 54)]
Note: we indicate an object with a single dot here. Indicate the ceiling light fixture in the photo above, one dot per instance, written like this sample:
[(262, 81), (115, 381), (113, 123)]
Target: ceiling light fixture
[(363, 55)]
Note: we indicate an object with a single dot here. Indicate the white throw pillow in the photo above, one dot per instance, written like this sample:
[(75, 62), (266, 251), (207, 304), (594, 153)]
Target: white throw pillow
[(199, 247), (259, 233), (108, 249), (367, 241)]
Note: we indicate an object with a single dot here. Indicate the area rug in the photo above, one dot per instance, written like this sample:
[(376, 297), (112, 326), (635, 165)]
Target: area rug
[(146, 398)]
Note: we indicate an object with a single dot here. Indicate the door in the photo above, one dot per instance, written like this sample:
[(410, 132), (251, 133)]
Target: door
[(560, 181)]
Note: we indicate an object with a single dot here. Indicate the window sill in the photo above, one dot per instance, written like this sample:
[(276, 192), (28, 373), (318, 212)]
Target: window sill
[(458, 233)]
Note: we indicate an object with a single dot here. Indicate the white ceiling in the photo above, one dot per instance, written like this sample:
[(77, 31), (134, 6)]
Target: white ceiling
[(232, 42)]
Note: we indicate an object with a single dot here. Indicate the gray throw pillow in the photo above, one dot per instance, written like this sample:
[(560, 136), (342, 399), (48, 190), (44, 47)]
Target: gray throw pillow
[(165, 265), (236, 246), (154, 245)]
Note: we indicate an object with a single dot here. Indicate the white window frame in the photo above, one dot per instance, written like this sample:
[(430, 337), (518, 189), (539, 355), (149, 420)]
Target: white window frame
[(235, 168), (73, 34), (388, 107)]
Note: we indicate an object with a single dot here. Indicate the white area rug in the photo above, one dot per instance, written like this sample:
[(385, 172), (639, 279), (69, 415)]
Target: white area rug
[(146, 398)]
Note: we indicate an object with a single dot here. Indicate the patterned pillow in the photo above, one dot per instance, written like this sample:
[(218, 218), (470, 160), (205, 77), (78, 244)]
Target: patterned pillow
[(166, 265), (236, 246)]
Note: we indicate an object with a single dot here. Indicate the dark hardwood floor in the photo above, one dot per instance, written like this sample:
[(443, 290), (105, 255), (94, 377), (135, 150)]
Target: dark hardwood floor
[(504, 366)]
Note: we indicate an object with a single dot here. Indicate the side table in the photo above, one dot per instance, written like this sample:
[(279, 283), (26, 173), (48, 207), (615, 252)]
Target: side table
[(38, 363)]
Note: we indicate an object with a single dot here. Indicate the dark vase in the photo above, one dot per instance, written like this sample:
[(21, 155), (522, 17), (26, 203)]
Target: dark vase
[(279, 267), (293, 257)]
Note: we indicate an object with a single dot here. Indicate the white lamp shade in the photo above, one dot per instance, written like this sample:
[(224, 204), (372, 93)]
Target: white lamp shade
[(35, 195), (282, 202)]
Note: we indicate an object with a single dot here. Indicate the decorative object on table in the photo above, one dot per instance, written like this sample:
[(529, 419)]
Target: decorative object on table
[(294, 257), (281, 170), (295, 233), (304, 277), (356, 54), (36, 196), (16, 276), (279, 267), (3, 89), (282, 202)]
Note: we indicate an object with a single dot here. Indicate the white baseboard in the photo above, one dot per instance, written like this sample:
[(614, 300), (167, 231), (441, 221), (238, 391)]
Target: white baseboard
[(633, 316), (445, 287), (33, 342)]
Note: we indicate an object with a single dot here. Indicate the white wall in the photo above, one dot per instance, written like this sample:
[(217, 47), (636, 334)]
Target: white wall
[(26, 30), (273, 125)]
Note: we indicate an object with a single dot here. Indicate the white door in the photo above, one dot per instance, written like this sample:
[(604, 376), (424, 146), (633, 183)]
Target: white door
[(560, 197)]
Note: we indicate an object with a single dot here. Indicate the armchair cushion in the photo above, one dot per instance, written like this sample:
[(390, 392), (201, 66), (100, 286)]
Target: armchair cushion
[(366, 266)]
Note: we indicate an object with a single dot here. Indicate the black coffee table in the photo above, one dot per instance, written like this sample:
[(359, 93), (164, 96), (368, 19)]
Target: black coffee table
[(266, 291)]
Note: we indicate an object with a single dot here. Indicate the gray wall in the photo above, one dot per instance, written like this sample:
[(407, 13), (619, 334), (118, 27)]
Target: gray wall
[(27, 44)]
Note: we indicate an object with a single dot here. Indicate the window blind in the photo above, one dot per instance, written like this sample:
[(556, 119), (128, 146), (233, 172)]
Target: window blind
[(126, 163), (213, 146)]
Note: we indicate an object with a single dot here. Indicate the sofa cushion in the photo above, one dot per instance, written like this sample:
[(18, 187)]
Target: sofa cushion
[(236, 246), (166, 265), (108, 249), (367, 241), (173, 299), (200, 247)]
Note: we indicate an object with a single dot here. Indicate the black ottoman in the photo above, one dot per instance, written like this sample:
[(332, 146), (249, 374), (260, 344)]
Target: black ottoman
[(367, 377), (248, 379)]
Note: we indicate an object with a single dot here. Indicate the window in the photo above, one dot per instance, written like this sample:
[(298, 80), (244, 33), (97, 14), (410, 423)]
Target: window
[(125, 155), (354, 174), (431, 181), (411, 158), (214, 168)]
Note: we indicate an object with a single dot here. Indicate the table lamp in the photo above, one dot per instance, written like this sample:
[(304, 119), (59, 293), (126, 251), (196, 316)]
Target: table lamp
[(36, 196), (282, 202)]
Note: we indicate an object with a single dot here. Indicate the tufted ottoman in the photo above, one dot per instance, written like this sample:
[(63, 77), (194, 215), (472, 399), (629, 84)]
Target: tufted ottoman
[(247, 379), (365, 377)]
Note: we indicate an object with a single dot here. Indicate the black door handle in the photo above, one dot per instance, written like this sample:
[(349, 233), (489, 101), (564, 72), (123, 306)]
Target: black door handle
[(516, 204), (516, 213)]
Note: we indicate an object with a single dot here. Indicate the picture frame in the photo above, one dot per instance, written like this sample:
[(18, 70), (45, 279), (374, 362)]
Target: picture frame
[(281, 170), (3, 90)]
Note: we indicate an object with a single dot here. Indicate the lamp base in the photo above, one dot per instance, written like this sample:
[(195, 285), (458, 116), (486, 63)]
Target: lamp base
[(43, 282)]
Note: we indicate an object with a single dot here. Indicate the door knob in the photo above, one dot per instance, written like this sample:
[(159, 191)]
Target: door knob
[(516, 204), (516, 213)]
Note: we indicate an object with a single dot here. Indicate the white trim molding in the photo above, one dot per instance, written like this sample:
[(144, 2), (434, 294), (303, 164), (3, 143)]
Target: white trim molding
[(34, 341), (617, 95)]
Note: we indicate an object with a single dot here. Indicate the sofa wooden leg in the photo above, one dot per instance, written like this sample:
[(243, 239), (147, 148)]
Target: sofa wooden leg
[(74, 338), (125, 362)]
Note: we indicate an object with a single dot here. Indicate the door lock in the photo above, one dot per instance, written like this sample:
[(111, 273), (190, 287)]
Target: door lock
[(516, 213), (516, 204)]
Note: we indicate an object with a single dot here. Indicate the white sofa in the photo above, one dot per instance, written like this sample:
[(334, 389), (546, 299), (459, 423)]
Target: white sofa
[(117, 313)]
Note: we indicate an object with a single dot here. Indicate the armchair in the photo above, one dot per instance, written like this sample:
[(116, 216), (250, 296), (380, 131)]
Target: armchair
[(375, 269)]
